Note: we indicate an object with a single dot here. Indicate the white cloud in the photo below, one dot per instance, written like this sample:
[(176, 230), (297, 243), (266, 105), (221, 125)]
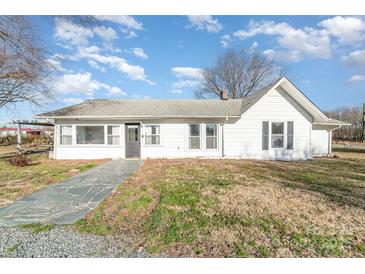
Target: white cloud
[(106, 33), (130, 34), (72, 100), (204, 23), (301, 42), (187, 77), (226, 40), (348, 30), (95, 65), (79, 37), (355, 59), (124, 20), (56, 64), (77, 83), (82, 83), (139, 53), (292, 56), (116, 91), (74, 34), (356, 78), (187, 72)]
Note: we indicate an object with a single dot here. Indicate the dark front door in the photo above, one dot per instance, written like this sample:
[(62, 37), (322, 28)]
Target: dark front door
[(132, 141)]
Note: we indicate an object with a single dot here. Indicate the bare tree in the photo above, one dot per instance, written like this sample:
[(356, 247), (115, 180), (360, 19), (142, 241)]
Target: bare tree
[(351, 115), (24, 70), (240, 73)]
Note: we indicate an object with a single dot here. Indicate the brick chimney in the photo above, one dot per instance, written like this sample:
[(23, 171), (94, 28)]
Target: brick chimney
[(224, 95)]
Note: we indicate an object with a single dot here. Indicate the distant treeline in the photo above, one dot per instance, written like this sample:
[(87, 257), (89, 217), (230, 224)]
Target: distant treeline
[(353, 115)]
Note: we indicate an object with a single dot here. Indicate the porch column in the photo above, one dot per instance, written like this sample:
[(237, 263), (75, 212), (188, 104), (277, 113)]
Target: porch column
[(19, 139)]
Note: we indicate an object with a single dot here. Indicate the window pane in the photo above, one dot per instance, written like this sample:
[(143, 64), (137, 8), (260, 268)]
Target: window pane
[(194, 130), (66, 130), (152, 140), (211, 142), (90, 134), (277, 141), (194, 142), (132, 134), (66, 140), (113, 130), (113, 140), (211, 130), (277, 128)]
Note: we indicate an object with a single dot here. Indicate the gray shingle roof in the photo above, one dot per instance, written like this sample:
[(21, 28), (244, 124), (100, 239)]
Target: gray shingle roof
[(150, 108), (160, 108)]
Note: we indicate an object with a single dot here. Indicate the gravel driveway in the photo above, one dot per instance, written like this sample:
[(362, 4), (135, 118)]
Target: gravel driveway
[(62, 242)]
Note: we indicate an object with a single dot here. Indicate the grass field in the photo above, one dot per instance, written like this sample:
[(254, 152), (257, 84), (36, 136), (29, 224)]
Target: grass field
[(17, 182), (239, 208)]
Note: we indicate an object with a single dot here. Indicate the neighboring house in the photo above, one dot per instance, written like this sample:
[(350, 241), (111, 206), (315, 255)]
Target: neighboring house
[(277, 122)]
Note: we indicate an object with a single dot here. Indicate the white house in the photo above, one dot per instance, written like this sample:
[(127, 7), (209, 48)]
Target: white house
[(277, 122)]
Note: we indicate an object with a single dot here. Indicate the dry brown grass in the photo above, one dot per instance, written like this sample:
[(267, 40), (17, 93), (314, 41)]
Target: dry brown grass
[(238, 208), (17, 182)]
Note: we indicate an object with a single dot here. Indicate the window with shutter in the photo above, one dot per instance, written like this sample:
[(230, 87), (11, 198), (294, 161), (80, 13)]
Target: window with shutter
[(290, 135)]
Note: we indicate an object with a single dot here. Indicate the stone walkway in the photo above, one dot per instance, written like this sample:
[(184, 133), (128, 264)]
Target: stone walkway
[(70, 200)]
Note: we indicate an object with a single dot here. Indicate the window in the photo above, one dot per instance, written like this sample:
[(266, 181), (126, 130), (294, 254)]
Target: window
[(211, 135), (133, 133), (277, 135), (152, 135), (194, 136), (90, 135), (113, 135), (66, 135)]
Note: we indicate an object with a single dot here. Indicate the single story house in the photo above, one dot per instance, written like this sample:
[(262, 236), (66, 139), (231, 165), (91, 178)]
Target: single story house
[(277, 122)]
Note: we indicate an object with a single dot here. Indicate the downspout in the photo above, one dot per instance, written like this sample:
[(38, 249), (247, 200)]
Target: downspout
[(330, 140), (223, 136)]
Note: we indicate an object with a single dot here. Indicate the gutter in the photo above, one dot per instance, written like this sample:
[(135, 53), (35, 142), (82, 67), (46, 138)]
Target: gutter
[(223, 135), (130, 117)]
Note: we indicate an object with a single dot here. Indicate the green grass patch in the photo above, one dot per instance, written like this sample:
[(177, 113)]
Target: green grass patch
[(37, 228)]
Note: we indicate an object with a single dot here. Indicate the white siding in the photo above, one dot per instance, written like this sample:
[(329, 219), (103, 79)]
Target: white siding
[(88, 151), (320, 138), (174, 142), (244, 138)]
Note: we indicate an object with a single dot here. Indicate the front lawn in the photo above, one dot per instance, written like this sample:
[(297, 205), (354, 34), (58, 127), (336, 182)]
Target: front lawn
[(240, 208), (17, 182)]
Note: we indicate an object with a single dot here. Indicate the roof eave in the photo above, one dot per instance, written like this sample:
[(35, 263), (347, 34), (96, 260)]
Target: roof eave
[(133, 117)]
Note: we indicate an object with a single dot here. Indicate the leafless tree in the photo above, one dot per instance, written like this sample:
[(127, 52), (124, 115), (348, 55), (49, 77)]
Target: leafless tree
[(351, 115), (240, 73), (24, 70)]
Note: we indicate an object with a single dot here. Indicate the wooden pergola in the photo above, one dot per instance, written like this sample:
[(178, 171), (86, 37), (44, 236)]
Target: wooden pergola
[(19, 124)]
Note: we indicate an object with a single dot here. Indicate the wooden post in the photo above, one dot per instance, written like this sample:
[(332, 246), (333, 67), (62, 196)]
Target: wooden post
[(19, 139)]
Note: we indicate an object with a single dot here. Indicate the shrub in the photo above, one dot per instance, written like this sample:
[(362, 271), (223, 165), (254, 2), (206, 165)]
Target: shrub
[(20, 160)]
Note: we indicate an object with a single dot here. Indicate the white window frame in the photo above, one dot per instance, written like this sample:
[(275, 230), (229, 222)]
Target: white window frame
[(65, 125), (200, 136), (215, 136), (91, 125), (283, 134), (159, 134), (111, 135)]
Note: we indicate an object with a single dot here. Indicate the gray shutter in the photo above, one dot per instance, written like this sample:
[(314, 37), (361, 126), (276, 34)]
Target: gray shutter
[(290, 135), (265, 135)]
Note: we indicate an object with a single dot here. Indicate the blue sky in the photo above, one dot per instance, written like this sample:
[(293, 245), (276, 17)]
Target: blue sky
[(162, 56)]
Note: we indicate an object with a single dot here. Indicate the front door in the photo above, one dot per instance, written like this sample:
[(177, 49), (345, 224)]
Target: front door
[(132, 141)]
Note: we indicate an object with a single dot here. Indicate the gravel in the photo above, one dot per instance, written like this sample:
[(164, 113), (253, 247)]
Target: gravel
[(62, 242)]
